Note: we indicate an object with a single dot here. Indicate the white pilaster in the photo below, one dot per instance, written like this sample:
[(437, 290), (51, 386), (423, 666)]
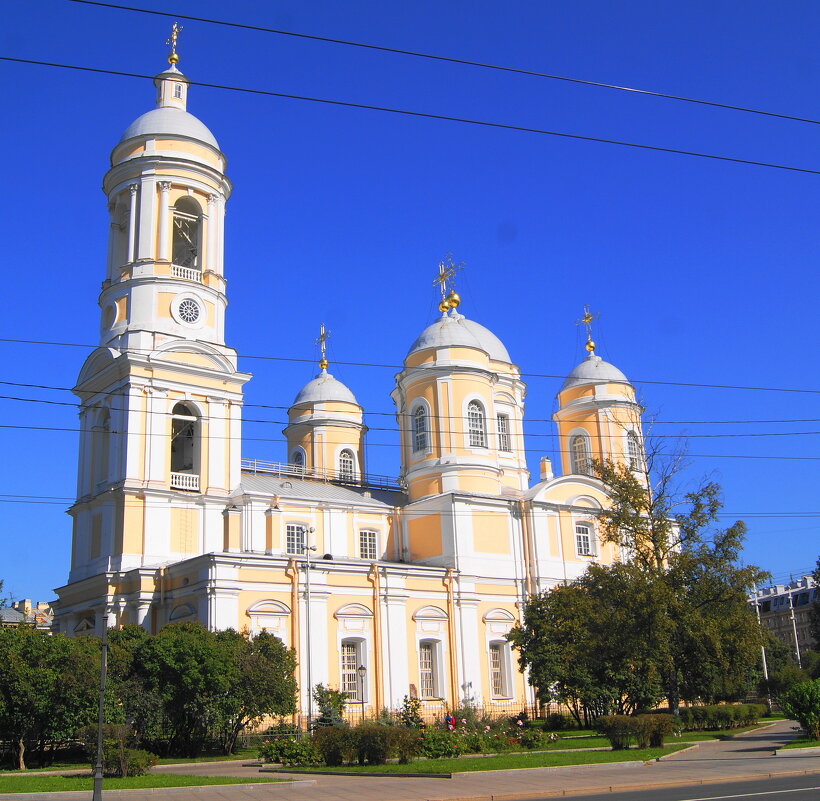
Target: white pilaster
[(132, 222), (163, 251)]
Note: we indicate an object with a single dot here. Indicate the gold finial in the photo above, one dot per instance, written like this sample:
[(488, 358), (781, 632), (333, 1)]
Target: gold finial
[(173, 58), (586, 321), (446, 279), (321, 341)]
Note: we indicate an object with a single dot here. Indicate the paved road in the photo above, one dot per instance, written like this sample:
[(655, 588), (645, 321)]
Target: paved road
[(747, 757)]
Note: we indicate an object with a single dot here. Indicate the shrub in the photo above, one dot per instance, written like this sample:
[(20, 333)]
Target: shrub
[(120, 762), (556, 721), (439, 744), (335, 744), (331, 704), (532, 739), (719, 716), (651, 730), (405, 743), (410, 712), (373, 743), (620, 730), (294, 751), (802, 702)]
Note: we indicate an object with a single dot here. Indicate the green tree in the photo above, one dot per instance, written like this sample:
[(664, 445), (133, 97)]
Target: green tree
[(672, 621), (814, 612), (262, 683), (802, 702), (48, 688), (187, 671)]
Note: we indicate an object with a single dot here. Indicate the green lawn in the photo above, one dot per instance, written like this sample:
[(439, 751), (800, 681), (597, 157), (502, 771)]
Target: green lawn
[(503, 762), (54, 784), (803, 742), (246, 754)]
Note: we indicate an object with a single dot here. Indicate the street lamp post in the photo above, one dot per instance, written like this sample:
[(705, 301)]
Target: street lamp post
[(362, 672), (96, 793), (307, 549)]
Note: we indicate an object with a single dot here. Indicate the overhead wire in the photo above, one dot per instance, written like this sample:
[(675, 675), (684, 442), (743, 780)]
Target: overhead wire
[(449, 59), (431, 116)]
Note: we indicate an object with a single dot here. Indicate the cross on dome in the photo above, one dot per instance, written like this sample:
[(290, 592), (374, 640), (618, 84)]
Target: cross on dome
[(445, 279), (586, 321), (173, 58), (321, 341)]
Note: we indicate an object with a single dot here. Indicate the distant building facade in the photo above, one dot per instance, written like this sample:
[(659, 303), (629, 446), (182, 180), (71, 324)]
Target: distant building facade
[(39, 615), (785, 611)]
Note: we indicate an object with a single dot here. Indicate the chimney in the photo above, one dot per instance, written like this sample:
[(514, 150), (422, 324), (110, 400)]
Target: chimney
[(546, 468)]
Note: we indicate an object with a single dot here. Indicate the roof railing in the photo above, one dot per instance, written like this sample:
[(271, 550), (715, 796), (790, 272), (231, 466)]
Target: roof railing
[(343, 478)]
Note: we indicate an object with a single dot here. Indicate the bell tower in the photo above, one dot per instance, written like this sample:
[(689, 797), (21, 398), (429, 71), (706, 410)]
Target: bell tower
[(161, 397)]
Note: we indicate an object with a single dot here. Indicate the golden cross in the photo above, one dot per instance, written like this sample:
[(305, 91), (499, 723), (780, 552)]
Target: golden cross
[(586, 321), (172, 40), (447, 270), (321, 341)]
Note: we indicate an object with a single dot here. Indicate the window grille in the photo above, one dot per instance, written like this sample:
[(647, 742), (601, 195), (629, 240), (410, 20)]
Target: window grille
[(579, 452), (346, 465), (504, 443), (367, 545), (420, 429), (477, 425), (350, 678), (634, 454), (178, 90), (583, 541), (295, 539), (497, 670), (427, 679)]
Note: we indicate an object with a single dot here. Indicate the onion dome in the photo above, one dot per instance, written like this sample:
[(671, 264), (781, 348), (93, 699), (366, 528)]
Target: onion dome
[(594, 370), (324, 388), (455, 330), (169, 118)]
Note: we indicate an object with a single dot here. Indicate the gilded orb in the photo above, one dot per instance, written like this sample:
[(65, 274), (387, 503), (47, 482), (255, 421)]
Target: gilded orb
[(443, 306), (173, 58), (590, 346), (453, 299)]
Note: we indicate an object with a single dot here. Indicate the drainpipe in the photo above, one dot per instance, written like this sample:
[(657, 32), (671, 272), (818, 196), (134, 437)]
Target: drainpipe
[(525, 536), (451, 622), (292, 571), (374, 578)]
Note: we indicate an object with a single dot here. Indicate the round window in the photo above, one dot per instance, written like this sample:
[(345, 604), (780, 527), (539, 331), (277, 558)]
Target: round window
[(188, 311)]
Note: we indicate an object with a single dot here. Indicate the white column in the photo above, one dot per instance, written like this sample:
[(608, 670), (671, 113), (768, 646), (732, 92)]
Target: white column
[(155, 435), (213, 231), (220, 236), (469, 653), (132, 222), (163, 253), (396, 661), (83, 478), (143, 618), (146, 246)]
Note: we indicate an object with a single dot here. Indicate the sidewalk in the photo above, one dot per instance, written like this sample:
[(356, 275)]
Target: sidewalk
[(746, 756)]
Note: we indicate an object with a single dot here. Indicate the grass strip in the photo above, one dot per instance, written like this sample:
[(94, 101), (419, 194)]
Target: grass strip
[(802, 742), (502, 762), (54, 784)]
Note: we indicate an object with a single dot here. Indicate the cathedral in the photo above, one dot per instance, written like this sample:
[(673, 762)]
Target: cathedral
[(384, 588)]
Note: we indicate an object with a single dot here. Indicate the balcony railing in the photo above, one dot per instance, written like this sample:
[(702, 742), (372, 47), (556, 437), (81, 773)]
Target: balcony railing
[(375, 481), (185, 481), (187, 273)]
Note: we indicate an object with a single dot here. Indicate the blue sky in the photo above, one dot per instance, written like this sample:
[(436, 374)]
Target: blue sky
[(703, 271)]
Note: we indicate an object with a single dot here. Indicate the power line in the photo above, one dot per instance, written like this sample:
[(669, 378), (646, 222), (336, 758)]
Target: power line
[(430, 116), (450, 60), (401, 430), (690, 384)]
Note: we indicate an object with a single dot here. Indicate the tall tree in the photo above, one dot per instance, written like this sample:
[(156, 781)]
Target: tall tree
[(814, 613)]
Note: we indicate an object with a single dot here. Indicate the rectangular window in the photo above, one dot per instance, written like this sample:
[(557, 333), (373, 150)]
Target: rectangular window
[(350, 679), (295, 539), (583, 541), (368, 548), (427, 674), (503, 422), (497, 670)]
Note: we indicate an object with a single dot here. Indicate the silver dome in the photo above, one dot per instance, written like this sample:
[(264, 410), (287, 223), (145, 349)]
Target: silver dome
[(169, 121), (456, 330), (324, 388), (594, 370)]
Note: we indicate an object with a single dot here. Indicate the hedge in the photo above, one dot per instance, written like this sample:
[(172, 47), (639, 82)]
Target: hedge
[(720, 716)]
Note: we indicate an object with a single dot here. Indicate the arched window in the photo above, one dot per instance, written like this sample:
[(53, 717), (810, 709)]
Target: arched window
[(297, 459), (184, 448), (476, 425), (579, 455), (187, 233), (100, 448), (634, 451), (347, 465), (420, 429)]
